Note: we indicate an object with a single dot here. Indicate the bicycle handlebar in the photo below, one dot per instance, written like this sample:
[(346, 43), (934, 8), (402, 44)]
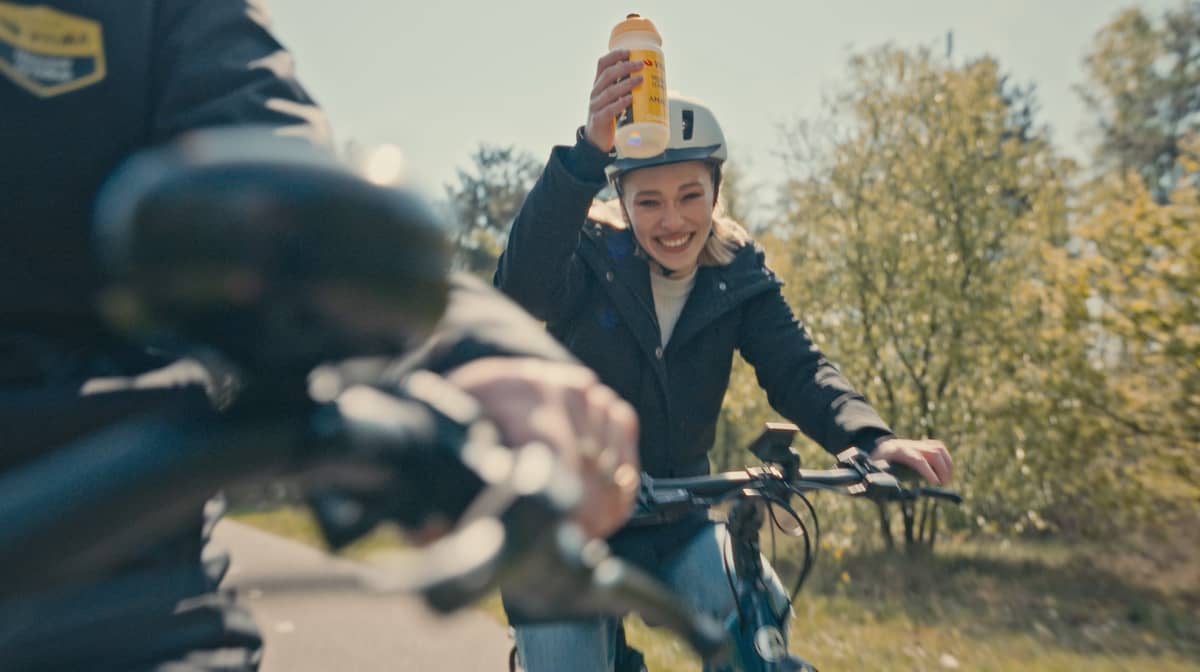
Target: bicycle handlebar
[(663, 500), (560, 567), (515, 534), (87, 507)]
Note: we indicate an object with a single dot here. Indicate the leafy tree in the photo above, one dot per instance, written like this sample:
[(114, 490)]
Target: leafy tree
[(485, 201), (1134, 265), (917, 230), (1144, 87), (739, 197), (1138, 272)]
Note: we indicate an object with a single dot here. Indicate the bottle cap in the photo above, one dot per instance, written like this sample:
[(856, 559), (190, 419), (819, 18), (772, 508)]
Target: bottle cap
[(633, 23)]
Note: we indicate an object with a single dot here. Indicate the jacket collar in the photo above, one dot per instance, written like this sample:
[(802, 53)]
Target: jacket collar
[(719, 289), (614, 257)]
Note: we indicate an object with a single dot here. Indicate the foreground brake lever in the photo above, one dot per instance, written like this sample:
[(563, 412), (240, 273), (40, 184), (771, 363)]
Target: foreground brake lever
[(499, 530)]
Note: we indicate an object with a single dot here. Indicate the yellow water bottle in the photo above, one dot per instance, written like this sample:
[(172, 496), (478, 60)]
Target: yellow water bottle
[(642, 128)]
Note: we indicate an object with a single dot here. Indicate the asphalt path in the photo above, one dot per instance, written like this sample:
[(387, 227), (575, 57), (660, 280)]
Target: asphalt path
[(316, 616)]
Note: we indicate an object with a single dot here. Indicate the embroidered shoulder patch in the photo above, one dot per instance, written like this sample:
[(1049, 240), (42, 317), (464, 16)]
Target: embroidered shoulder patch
[(48, 52)]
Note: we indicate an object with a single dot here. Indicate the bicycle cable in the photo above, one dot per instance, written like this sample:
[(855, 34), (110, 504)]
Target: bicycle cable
[(808, 550), (809, 559)]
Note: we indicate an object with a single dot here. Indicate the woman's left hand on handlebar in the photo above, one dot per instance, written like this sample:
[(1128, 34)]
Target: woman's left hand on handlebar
[(927, 457)]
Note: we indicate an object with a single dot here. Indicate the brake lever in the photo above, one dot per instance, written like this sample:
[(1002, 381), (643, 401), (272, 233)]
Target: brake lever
[(881, 486), (900, 474), (513, 519), (655, 506), (907, 474)]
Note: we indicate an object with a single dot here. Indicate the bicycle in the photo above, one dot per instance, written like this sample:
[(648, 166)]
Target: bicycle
[(755, 633)]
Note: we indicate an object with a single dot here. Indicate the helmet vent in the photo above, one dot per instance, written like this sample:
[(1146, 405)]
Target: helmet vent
[(688, 124)]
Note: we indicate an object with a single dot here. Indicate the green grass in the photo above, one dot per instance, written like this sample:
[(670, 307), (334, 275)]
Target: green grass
[(1027, 606), (1037, 607)]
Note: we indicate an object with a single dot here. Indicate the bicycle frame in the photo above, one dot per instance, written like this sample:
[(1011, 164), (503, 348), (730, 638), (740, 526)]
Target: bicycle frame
[(757, 631)]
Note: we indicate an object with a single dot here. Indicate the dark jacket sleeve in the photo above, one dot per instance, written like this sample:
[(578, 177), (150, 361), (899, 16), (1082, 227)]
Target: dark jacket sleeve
[(800, 383), (216, 63), (540, 268)]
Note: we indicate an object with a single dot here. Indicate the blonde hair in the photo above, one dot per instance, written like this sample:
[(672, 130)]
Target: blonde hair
[(719, 250), (727, 238)]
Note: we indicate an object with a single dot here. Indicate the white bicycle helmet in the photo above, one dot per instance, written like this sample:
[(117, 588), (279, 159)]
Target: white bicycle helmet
[(695, 136)]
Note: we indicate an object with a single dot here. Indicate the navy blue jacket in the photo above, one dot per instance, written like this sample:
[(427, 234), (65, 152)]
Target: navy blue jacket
[(591, 286), (84, 84)]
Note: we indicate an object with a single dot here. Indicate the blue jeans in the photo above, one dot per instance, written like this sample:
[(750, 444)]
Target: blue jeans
[(697, 573)]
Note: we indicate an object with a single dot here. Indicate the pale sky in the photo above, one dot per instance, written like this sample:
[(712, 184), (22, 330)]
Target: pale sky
[(436, 78)]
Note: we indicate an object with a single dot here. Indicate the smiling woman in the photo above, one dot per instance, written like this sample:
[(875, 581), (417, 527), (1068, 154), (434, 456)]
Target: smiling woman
[(655, 292)]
